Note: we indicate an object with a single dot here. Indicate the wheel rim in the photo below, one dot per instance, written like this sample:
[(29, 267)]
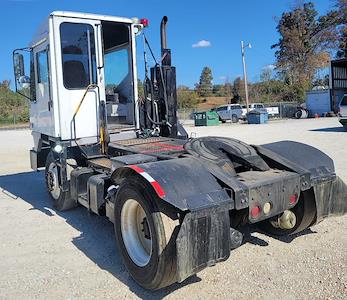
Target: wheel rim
[(136, 232), (53, 181)]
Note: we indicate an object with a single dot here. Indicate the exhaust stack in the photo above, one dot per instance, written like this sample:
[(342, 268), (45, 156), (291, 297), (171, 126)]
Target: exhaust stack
[(163, 33), (165, 52)]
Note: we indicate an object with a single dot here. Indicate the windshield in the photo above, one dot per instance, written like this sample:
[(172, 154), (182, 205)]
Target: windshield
[(116, 67)]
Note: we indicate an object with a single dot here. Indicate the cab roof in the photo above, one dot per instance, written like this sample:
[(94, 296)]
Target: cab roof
[(80, 15)]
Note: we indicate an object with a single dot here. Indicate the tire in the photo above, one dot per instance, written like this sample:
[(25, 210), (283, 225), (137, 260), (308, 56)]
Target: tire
[(222, 120), (148, 247), (305, 213), (61, 200), (298, 114), (345, 127), (234, 119)]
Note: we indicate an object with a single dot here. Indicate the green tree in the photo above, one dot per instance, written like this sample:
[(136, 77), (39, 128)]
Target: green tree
[(218, 90), (186, 98), (301, 49), (204, 88), (12, 105)]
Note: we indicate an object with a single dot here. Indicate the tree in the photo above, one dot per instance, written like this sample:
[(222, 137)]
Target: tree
[(266, 74), (301, 50), (238, 90), (218, 90), (140, 88), (228, 89), (186, 98), (340, 19), (12, 104), (204, 88)]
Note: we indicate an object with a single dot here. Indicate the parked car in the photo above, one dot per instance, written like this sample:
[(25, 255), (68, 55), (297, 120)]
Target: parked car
[(231, 112), (343, 111)]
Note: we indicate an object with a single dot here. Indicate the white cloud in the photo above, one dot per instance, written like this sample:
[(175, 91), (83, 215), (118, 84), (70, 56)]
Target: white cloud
[(223, 77), (202, 44), (271, 67)]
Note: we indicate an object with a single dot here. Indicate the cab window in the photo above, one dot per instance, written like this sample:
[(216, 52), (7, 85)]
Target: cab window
[(78, 55), (42, 66)]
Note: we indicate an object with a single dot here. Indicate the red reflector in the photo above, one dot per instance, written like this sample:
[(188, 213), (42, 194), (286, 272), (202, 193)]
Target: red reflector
[(144, 22), (158, 189), (136, 169), (293, 198), (255, 211)]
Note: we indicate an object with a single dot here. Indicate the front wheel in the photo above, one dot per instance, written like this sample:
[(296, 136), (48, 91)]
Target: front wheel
[(222, 120), (61, 199), (234, 119), (145, 236)]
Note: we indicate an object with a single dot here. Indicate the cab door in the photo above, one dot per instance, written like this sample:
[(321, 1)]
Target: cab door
[(42, 114), (79, 78)]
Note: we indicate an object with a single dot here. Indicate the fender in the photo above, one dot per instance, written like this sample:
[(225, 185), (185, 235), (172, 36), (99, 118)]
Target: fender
[(203, 238), (317, 171), (184, 183)]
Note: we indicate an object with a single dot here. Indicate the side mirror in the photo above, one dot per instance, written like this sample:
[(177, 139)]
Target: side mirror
[(18, 61), (23, 70)]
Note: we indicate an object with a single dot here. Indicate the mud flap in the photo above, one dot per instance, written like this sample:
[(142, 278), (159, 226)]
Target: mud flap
[(203, 241), (331, 197)]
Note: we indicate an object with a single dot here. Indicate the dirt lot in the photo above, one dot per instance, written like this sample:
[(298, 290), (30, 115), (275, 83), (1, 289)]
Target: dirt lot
[(48, 254)]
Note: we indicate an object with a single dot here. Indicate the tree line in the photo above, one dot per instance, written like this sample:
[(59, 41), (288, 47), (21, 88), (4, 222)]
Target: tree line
[(307, 43), (13, 107)]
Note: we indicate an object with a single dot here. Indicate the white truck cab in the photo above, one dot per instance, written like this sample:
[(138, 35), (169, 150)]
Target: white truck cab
[(75, 58)]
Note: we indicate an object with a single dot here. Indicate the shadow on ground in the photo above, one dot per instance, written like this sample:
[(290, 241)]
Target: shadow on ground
[(330, 129), (96, 240)]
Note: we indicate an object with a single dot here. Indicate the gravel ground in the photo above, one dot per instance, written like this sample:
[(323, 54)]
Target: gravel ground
[(48, 254)]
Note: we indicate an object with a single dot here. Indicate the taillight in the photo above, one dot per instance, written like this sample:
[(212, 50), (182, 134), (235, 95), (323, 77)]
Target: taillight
[(255, 212), (293, 198)]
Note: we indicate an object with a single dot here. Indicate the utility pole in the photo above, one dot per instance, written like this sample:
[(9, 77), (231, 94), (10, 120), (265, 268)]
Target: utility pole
[(244, 70)]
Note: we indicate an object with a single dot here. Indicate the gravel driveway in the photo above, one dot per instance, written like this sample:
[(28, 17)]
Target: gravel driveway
[(72, 255)]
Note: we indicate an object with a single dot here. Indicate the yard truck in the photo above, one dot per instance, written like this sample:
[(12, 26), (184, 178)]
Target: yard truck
[(178, 204)]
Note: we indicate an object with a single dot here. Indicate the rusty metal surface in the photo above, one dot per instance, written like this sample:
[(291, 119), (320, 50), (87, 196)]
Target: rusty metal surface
[(134, 142), (154, 145), (104, 163)]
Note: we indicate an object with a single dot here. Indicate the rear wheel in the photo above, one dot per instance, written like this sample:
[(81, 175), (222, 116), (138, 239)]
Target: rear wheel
[(61, 199), (145, 236), (295, 220)]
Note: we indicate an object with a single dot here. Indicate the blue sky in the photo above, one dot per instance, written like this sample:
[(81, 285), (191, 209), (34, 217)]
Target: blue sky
[(218, 26)]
